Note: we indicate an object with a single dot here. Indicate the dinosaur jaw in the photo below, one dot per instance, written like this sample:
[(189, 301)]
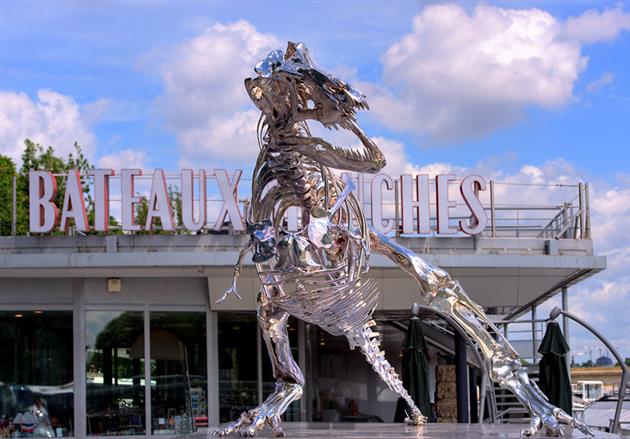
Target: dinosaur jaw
[(368, 158)]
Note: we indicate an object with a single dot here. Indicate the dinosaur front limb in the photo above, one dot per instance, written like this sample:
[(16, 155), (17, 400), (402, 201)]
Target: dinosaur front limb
[(289, 378), (368, 159), (237, 272), (446, 296)]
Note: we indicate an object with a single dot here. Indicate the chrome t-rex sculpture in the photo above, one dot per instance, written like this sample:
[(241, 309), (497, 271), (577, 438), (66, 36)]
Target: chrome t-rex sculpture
[(317, 273)]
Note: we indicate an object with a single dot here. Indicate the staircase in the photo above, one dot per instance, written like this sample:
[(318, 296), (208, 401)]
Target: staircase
[(509, 409)]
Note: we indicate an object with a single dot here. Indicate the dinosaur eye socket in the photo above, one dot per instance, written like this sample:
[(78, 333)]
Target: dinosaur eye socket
[(257, 92)]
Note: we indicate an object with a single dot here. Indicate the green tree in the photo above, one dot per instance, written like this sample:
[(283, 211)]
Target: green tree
[(142, 209), (36, 157), (7, 172)]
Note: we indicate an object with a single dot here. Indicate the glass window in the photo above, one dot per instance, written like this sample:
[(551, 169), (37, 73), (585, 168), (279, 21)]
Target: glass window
[(178, 372), (36, 382), (344, 386), (238, 385), (115, 373)]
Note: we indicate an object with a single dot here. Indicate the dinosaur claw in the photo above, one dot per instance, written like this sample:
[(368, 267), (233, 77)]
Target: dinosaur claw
[(228, 292)]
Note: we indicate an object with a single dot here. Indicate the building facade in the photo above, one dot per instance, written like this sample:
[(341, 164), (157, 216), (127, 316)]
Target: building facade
[(120, 334)]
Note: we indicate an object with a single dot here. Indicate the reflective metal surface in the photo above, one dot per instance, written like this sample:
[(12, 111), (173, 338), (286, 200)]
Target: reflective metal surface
[(317, 273)]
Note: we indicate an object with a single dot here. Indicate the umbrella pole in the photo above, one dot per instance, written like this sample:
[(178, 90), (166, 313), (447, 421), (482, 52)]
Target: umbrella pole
[(624, 369)]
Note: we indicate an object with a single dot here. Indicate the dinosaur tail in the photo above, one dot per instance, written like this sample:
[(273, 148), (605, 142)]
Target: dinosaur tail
[(369, 341)]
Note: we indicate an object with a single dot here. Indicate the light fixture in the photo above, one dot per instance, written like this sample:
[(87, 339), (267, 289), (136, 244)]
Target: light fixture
[(19, 315), (39, 312), (114, 285)]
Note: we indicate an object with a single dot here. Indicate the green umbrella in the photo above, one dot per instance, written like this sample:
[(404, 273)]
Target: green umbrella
[(415, 367), (554, 376)]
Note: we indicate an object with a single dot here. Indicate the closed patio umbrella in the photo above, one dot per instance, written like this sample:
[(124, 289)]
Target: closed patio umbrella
[(415, 368), (554, 376)]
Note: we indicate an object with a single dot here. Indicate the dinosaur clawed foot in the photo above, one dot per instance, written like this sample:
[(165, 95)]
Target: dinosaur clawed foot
[(266, 414), (250, 422), (416, 418), (551, 420)]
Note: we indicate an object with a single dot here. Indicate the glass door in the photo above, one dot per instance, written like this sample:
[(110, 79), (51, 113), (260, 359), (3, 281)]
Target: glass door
[(115, 383), (178, 372)]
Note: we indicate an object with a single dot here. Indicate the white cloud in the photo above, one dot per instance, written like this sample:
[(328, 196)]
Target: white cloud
[(598, 299), (599, 83), (458, 75), (204, 101), (110, 110), (594, 26), (52, 119), (125, 159)]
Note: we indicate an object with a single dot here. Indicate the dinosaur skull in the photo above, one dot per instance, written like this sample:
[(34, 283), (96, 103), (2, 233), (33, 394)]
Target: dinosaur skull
[(290, 89)]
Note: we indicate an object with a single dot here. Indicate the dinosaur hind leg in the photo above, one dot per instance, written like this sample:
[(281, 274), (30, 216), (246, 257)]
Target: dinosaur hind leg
[(446, 296), (368, 341), (289, 378)]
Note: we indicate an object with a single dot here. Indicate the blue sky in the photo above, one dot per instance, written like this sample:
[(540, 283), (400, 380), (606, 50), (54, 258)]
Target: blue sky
[(521, 90)]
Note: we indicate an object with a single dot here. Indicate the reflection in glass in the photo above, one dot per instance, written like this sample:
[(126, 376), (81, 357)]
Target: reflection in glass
[(115, 372), (36, 393), (238, 387), (343, 386), (178, 372)]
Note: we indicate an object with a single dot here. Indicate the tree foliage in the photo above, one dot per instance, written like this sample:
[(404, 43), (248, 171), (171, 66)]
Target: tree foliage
[(7, 172), (36, 157)]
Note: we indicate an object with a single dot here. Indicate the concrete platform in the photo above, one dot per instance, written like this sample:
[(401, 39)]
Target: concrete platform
[(317, 430)]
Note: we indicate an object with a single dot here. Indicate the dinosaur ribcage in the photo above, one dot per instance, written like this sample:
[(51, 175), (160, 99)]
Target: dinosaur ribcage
[(334, 299), (315, 284)]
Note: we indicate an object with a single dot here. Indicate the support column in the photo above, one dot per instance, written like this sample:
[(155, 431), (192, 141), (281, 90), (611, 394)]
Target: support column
[(461, 377), (302, 363), (472, 390), (259, 364), (308, 371), (534, 334), (78, 333), (212, 340), (147, 373)]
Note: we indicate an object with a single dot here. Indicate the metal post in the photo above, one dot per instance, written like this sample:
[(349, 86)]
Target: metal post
[(461, 377), (493, 216), (534, 352), (587, 208), (565, 324), (565, 220), (581, 208), (14, 204), (396, 210), (565, 319)]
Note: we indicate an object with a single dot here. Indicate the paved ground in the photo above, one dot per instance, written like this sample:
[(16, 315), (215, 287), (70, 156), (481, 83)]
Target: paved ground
[(400, 431)]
